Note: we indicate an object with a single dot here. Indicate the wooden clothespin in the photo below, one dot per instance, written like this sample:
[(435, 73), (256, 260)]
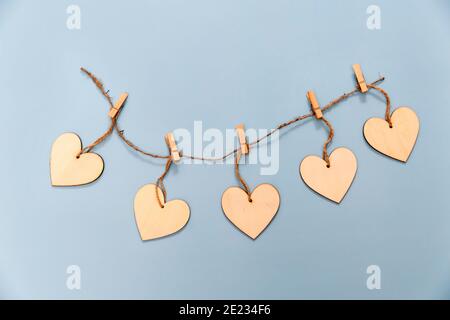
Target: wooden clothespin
[(119, 104), (314, 104), (240, 131), (360, 78), (174, 153)]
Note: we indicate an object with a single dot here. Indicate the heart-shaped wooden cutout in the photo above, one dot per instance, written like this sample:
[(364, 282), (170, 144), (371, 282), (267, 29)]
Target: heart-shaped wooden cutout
[(396, 142), (155, 222), (251, 217), (333, 182), (68, 170)]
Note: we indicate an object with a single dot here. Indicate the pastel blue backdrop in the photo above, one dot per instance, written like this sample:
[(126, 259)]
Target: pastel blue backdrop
[(222, 62)]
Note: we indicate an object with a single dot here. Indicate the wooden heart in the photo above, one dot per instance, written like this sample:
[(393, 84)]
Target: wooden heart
[(68, 170), (155, 222), (251, 217), (396, 142), (333, 182)]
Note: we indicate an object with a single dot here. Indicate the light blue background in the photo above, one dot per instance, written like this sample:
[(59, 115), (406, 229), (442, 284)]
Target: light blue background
[(222, 62)]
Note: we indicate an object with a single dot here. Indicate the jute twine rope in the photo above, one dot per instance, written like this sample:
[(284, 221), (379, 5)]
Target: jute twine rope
[(325, 155), (108, 132), (387, 115), (236, 152), (239, 177), (160, 184)]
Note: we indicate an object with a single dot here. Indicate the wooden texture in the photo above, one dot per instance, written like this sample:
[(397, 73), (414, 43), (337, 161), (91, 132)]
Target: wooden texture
[(155, 222), (251, 218), (240, 131), (114, 110), (170, 140), (68, 170), (396, 142), (360, 78), (315, 107), (333, 182)]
